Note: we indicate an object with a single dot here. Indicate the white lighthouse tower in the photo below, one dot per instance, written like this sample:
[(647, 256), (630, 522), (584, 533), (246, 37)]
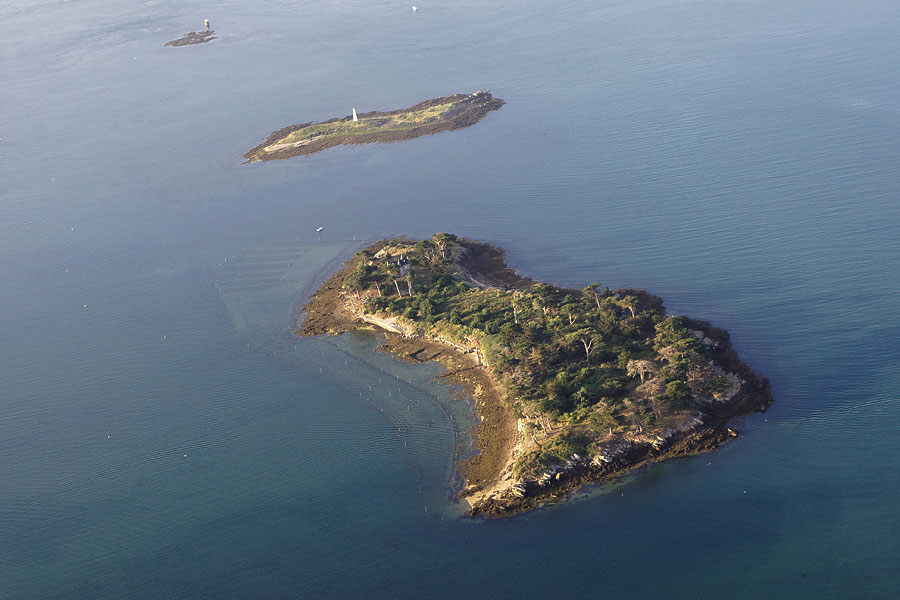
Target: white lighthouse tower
[(355, 119)]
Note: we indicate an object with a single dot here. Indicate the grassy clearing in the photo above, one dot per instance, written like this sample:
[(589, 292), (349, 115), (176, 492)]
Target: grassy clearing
[(365, 125)]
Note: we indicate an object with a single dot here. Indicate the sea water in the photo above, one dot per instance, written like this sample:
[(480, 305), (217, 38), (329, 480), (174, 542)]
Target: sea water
[(163, 434)]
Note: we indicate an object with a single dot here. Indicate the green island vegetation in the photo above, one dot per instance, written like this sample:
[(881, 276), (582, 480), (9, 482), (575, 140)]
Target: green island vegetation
[(425, 118), (589, 374)]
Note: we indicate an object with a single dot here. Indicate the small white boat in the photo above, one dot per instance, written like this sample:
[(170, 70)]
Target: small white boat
[(319, 229)]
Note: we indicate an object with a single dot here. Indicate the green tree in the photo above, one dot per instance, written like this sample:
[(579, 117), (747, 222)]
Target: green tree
[(629, 302), (640, 368), (586, 337), (678, 393), (593, 291), (443, 240)]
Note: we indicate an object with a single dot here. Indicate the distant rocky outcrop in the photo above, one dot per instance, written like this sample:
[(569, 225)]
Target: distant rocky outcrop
[(192, 38)]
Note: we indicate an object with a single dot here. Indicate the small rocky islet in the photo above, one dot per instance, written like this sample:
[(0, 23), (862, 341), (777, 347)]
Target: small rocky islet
[(571, 386), (192, 38), (425, 118)]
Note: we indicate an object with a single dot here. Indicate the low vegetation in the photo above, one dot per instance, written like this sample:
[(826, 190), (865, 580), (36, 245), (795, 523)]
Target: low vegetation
[(425, 118), (368, 124)]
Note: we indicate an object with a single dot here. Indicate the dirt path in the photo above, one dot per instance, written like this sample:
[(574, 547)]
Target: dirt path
[(276, 147)]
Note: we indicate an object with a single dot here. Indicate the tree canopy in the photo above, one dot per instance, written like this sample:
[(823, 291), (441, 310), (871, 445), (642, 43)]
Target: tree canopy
[(600, 361)]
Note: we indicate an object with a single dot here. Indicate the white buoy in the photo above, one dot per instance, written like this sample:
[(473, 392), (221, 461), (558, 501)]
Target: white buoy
[(415, 8), (355, 119)]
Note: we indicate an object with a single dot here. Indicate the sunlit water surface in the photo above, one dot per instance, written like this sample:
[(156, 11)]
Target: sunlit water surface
[(164, 435)]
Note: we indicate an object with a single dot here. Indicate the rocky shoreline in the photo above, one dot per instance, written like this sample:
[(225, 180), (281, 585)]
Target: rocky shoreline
[(700, 435), (492, 488), (329, 311)]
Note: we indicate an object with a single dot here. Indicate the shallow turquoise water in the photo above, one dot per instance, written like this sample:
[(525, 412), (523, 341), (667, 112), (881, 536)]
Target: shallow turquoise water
[(162, 434)]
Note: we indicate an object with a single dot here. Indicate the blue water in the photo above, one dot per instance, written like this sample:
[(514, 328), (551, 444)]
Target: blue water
[(164, 435)]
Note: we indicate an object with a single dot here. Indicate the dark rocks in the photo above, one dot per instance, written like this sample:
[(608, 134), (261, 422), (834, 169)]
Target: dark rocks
[(193, 38)]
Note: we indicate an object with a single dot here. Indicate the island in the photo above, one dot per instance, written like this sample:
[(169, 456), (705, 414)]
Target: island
[(193, 38), (570, 386), (426, 118)]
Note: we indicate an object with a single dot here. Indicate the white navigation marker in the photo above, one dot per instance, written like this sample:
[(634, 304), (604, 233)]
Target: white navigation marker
[(415, 8), (355, 119)]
